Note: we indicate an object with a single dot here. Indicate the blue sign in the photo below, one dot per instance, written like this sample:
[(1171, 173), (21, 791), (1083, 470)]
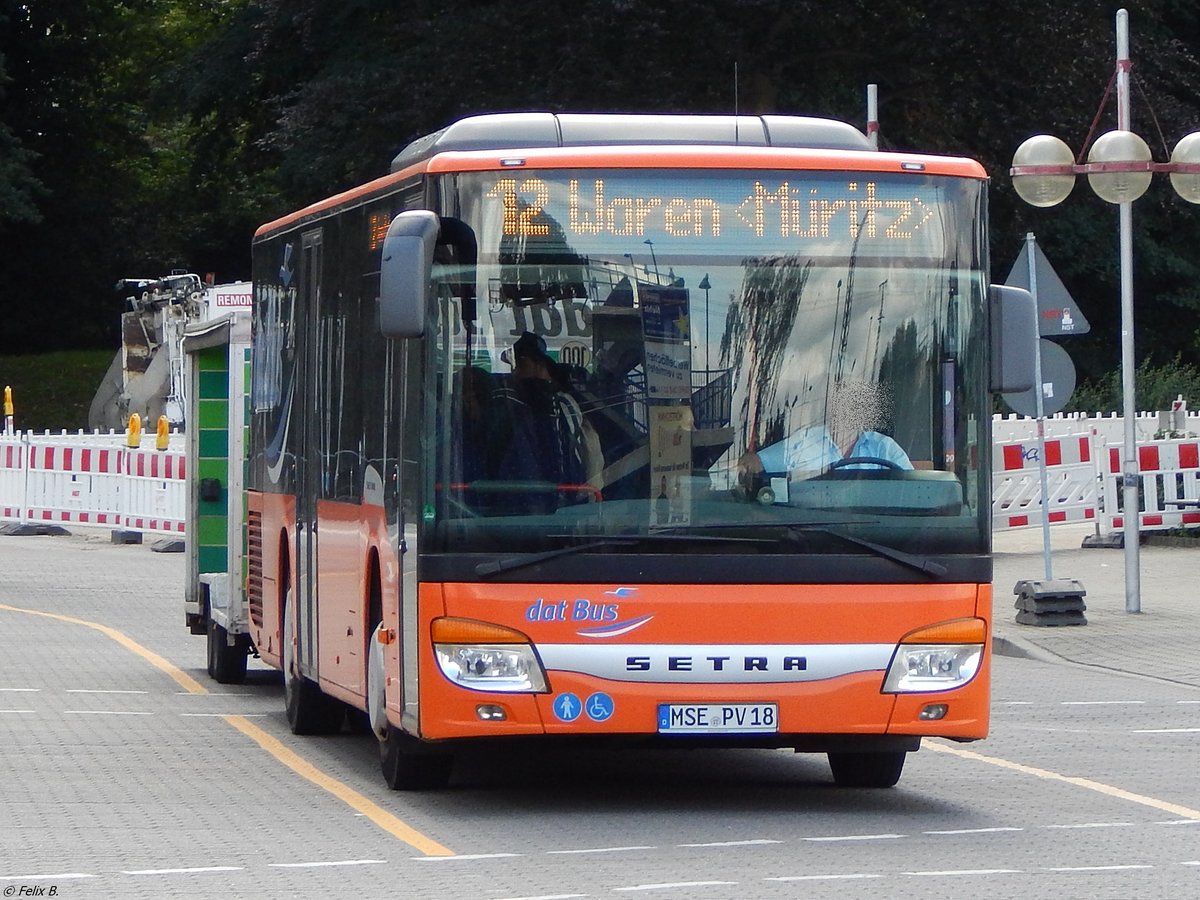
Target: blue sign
[(599, 707), (567, 707)]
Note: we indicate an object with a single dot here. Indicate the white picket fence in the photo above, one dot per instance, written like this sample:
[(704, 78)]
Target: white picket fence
[(92, 479)]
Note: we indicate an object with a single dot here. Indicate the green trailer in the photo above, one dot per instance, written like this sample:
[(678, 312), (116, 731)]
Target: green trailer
[(218, 382)]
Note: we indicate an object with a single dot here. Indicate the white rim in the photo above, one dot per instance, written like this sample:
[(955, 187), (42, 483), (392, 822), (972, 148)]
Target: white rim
[(376, 686), (289, 654)]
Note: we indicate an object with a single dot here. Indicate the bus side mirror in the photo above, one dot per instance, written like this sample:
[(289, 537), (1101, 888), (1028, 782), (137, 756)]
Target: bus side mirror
[(1014, 332), (404, 273)]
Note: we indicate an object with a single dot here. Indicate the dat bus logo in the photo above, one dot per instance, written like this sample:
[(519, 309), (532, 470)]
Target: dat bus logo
[(603, 619), (571, 611)]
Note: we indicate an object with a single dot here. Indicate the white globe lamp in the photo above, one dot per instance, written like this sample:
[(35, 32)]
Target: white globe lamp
[(1043, 189), (1187, 152), (1119, 186)]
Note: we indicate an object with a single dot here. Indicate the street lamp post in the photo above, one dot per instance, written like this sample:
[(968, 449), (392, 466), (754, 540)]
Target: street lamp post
[(706, 286), (653, 259), (1119, 169)]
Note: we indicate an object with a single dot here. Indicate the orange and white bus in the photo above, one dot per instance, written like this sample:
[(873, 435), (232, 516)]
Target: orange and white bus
[(656, 429)]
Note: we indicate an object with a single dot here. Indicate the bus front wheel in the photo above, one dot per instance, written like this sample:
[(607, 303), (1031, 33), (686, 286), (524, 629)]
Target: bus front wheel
[(408, 767), (867, 770)]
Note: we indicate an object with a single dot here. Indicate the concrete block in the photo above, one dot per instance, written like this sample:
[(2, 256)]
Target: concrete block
[(1052, 619), (1052, 602)]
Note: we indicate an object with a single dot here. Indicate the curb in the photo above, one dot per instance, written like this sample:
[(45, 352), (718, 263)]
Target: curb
[(1018, 648)]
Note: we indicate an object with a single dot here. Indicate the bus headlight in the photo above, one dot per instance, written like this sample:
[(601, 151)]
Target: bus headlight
[(486, 657), (938, 658)]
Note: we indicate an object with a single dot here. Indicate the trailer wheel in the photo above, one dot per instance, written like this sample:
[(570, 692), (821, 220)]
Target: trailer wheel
[(408, 766), (309, 709), (226, 664), (867, 770)]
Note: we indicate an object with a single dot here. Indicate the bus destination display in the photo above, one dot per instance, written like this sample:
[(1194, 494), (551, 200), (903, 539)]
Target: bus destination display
[(792, 206)]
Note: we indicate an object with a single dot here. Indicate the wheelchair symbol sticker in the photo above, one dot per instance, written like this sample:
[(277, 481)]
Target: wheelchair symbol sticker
[(567, 707), (599, 707)]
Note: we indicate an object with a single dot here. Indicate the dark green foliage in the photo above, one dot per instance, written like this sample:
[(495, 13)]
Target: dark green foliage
[(53, 391), (151, 134), (1154, 386), (19, 189)]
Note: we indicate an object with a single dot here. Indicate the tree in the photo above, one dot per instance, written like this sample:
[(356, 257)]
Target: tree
[(19, 189), (165, 131), (70, 108)]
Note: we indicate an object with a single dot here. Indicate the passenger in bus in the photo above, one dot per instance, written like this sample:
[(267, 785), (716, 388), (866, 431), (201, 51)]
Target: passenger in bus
[(540, 429), (856, 414), (473, 393)]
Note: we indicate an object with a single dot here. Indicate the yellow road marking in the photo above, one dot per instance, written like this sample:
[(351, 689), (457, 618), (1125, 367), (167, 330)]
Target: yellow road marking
[(381, 817), (1097, 786), (186, 681), (393, 825)]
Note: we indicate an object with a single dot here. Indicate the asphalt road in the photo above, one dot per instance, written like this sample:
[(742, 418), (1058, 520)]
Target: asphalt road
[(128, 773)]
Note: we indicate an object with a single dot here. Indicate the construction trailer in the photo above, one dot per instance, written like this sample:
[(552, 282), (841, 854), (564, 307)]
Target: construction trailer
[(148, 374)]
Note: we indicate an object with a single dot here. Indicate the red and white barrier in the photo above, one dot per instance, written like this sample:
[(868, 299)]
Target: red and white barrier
[(1071, 481), (157, 491), (73, 484), (86, 480), (1169, 471), (12, 478), (94, 479)]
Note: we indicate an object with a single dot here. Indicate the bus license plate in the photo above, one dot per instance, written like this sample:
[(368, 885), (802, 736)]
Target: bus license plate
[(717, 718)]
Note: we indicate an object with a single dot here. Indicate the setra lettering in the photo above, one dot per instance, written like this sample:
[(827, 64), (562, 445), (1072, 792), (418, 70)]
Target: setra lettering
[(673, 663)]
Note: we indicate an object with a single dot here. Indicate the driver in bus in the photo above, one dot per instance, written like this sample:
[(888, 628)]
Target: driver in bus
[(857, 412)]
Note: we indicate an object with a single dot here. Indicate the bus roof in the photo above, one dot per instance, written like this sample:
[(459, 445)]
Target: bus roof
[(509, 131), (548, 140)]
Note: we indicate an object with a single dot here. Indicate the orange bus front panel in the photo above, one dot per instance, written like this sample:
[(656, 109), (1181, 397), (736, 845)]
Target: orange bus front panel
[(450, 711), (814, 656), (851, 704)]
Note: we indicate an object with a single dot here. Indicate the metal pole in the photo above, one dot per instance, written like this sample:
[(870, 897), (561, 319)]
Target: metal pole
[(653, 259), (873, 115), (1030, 246), (707, 333), (1130, 477)]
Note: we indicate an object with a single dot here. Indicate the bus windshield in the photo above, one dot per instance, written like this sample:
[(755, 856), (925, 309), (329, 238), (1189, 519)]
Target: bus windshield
[(752, 355)]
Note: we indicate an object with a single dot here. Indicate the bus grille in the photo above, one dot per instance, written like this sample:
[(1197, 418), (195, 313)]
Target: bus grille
[(254, 580)]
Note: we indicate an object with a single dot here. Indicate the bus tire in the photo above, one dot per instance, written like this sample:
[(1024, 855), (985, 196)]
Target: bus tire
[(408, 767), (867, 770), (226, 664), (309, 709)]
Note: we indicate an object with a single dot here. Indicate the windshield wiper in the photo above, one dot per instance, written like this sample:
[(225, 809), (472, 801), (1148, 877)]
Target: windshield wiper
[(920, 563), (509, 563)]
